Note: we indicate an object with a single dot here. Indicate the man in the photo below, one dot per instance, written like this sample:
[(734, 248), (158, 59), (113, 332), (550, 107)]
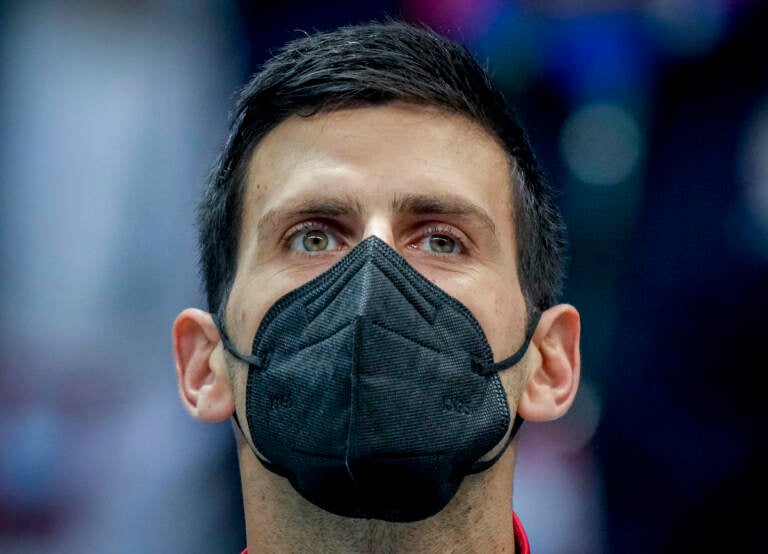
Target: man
[(382, 260)]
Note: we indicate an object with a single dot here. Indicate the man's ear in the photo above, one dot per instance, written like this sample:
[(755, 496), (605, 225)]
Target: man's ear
[(552, 383), (204, 385)]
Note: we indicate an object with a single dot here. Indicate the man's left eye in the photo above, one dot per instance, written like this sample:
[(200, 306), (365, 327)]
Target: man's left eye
[(313, 241), (441, 244)]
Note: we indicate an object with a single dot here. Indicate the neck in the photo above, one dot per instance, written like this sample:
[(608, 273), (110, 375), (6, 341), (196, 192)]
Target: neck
[(278, 519)]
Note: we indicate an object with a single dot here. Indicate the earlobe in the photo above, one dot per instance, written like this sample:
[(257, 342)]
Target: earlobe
[(552, 383), (204, 385)]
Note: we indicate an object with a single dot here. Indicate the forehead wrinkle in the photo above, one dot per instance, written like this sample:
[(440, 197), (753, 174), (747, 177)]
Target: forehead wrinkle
[(443, 205), (321, 206)]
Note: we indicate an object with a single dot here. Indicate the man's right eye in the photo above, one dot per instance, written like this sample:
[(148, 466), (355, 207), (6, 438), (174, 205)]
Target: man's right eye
[(313, 240)]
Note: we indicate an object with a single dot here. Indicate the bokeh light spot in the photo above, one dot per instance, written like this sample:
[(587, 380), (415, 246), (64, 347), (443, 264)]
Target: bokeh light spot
[(601, 143)]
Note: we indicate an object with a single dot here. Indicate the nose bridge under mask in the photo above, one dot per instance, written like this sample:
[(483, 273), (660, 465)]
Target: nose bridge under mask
[(372, 390), (379, 226)]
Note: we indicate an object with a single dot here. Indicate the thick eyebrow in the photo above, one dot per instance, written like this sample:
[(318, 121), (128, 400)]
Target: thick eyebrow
[(317, 207), (444, 205)]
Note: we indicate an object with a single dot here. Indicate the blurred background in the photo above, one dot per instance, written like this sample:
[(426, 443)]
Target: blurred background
[(650, 119)]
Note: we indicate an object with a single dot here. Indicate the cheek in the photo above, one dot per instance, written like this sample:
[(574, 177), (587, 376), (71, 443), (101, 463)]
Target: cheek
[(502, 317), (250, 300), (498, 305), (244, 312), (513, 381)]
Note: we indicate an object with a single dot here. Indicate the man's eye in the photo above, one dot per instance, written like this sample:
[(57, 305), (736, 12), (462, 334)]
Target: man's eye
[(313, 241), (441, 244)]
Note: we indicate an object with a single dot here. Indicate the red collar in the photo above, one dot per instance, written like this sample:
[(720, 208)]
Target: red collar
[(522, 546)]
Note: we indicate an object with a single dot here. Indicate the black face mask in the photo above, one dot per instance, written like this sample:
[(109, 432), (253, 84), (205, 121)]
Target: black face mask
[(373, 391)]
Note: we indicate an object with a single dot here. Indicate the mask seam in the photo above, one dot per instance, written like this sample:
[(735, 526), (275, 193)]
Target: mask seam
[(353, 404), (414, 341)]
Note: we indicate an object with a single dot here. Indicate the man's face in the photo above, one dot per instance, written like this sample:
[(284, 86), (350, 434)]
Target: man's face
[(433, 185)]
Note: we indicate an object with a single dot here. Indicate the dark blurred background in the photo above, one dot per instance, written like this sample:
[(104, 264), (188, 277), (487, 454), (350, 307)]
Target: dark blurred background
[(650, 118)]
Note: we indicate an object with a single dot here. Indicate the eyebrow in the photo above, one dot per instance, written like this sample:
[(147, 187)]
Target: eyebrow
[(318, 207), (346, 205), (420, 204)]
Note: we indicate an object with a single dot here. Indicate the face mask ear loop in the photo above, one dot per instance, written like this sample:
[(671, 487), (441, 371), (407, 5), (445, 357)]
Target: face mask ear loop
[(493, 368), (218, 319), (514, 358), (477, 467)]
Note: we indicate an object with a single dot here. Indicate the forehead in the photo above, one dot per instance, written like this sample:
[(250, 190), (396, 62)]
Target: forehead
[(374, 154)]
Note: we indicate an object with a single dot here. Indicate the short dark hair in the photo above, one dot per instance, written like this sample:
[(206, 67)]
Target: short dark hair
[(369, 64)]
